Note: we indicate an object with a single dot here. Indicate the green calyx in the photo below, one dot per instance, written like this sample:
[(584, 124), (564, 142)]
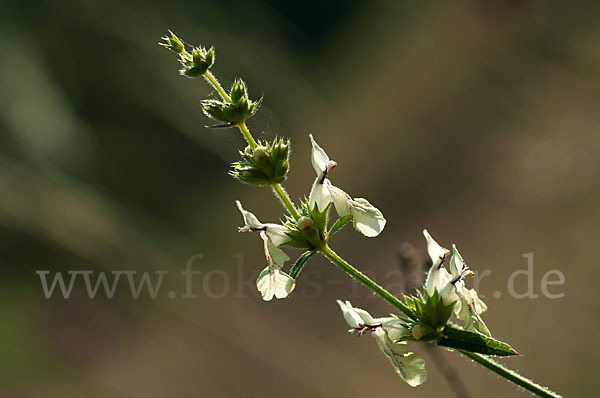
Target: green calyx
[(173, 43), (193, 64), (308, 232), (431, 313), (267, 164), (198, 62), (234, 111)]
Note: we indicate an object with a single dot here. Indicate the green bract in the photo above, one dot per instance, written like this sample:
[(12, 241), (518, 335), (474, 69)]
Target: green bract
[(431, 312), (267, 164)]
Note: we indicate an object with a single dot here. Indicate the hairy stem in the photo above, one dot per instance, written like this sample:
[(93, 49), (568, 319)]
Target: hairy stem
[(215, 83), (285, 200), (365, 280), (510, 375), (246, 133)]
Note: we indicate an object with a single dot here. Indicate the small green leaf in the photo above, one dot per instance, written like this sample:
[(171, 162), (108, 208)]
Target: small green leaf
[(220, 126), (297, 267), (474, 342)]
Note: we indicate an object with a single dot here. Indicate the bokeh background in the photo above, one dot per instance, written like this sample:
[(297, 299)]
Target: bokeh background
[(477, 120)]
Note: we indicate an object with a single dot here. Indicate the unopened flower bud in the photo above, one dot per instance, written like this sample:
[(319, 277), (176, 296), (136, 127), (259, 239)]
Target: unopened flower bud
[(199, 62), (268, 164), (304, 223), (418, 331), (173, 43)]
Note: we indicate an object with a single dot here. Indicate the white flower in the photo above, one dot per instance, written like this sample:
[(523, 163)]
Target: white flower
[(367, 219), (451, 286), (437, 277), (387, 332), (272, 281), (469, 306), (408, 365)]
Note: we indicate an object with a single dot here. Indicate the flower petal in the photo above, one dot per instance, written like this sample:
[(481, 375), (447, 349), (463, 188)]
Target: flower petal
[(250, 219), (275, 256), (341, 200), (436, 252), (356, 317), (456, 263), (318, 157), (367, 219), (408, 365), (277, 233), (352, 318), (394, 328), (319, 195), (437, 277), (469, 309), (273, 282)]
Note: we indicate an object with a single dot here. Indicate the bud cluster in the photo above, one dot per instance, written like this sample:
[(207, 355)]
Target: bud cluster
[(267, 164), (236, 110), (308, 232), (194, 64)]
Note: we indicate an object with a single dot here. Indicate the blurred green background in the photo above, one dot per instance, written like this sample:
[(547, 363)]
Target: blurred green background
[(477, 120)]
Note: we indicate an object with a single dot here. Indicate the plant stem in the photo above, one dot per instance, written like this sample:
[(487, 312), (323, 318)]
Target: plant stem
[(365, 280), (285, 200), (215, 83), (510, 375), (246, 133)]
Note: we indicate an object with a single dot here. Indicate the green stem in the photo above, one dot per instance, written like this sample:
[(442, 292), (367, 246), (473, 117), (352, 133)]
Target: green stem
[(510, 375), (215, 83), (246, 133), (285, 200), (365, 280), (339, 223)]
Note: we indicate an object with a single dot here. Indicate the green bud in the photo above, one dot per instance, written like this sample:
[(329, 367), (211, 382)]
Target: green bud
[(173, 43), (319, 217), (307, 229), (305, 223), (238, 91), (311, 225), (198, 63), (214, 109), (418, 331), (268, 164)]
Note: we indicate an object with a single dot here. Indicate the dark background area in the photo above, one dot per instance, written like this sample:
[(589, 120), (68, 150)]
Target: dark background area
[(476, 120)]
